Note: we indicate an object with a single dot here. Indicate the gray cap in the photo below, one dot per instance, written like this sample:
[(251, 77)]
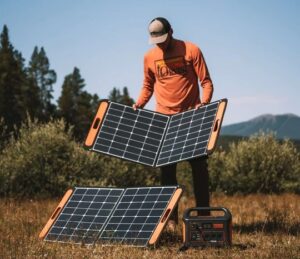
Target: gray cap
[(159, 29)]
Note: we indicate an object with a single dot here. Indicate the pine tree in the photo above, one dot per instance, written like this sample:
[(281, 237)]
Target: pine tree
[(16, 96), (43, 77), (75, 105), (115, 95), (124, 98)]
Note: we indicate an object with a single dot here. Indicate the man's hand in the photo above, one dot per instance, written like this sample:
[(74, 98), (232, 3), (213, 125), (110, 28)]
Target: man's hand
[(136, 106), (200, 105)]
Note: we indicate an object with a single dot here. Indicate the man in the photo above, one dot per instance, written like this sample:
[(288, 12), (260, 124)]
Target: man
[(172, 70)]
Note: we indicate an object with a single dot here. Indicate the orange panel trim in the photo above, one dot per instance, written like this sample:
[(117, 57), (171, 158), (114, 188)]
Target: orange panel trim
[(217, 126), (55, 214), (96, 124), (165, 217)]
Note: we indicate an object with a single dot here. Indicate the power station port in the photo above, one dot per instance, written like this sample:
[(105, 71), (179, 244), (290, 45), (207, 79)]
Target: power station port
[(213, 236)]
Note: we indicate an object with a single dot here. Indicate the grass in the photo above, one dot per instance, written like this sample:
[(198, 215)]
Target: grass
[(264, 226)]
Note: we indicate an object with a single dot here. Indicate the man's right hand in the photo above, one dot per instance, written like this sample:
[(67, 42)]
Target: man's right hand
[(200, 105)]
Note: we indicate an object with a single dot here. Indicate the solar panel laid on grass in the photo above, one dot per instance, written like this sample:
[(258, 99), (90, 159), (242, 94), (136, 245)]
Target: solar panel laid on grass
[(131, 216), (153, 138)]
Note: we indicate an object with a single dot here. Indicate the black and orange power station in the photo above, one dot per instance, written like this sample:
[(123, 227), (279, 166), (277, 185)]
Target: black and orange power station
[(213, 230)]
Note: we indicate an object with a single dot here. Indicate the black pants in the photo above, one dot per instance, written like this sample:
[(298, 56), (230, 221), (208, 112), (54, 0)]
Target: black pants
[(200, 182)]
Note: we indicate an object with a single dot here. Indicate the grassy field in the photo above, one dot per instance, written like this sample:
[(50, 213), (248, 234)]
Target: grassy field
[(265, 226)]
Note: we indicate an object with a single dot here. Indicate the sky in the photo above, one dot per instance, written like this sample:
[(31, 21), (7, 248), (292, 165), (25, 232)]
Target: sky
[(252, 48)]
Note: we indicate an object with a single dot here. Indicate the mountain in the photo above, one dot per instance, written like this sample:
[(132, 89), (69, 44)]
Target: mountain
[(284, 126)]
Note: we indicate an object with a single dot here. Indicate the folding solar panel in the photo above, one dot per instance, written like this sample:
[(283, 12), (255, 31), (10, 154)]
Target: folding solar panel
[(132, 216), (152, 138)]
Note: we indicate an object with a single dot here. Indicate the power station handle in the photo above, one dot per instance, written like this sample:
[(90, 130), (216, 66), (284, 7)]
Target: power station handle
[(188, 212)]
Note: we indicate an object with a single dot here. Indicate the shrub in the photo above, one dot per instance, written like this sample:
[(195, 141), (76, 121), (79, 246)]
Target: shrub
[(3, 134), (216, 168), (122, 173), (45, 161), (260, 164)]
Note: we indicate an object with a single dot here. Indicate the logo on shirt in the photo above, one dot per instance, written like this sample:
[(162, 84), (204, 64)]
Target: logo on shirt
[(170, 67)]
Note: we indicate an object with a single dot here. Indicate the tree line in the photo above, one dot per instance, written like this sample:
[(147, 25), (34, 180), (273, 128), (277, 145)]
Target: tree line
[(28, 91), (42, 156)]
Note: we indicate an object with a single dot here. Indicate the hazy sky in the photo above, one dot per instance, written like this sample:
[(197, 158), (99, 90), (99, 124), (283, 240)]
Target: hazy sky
[(252, 48)]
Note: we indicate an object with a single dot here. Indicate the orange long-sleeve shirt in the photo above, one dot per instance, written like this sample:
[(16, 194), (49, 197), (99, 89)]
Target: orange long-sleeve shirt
[(173, 77)]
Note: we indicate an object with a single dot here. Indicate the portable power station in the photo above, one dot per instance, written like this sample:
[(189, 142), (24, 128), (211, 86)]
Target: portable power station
[(200, 231)]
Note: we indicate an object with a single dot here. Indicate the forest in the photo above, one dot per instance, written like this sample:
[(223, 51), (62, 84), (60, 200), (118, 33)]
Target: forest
[(27, 91)]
